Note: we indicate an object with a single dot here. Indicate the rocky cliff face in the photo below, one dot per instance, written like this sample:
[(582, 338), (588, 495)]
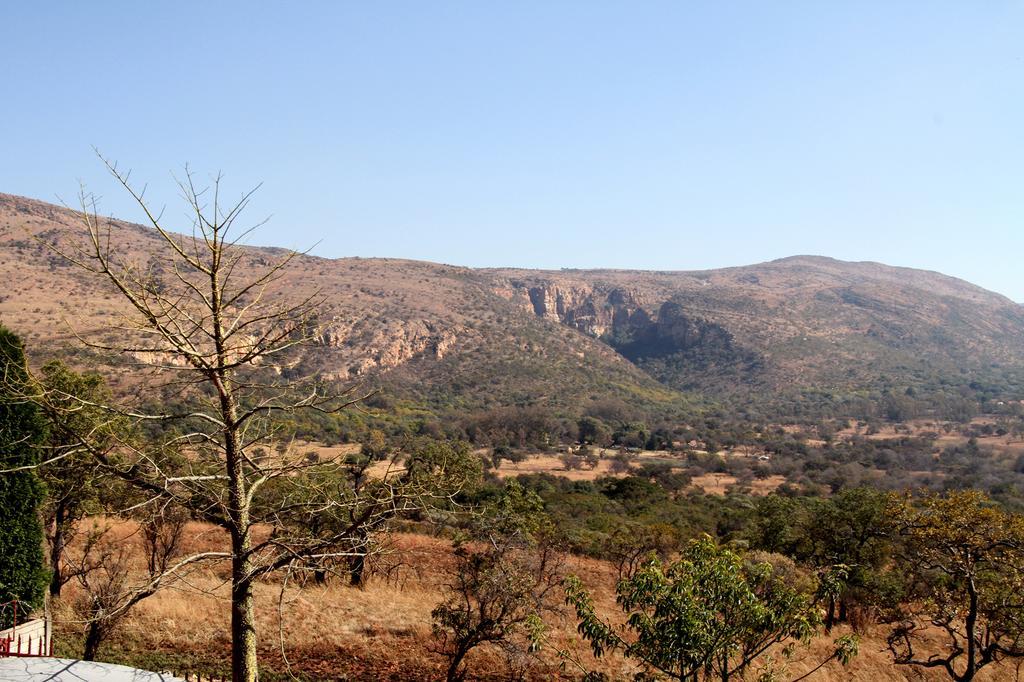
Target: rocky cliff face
[(593, 310), (636, 328), (370, 344), (671, 331)]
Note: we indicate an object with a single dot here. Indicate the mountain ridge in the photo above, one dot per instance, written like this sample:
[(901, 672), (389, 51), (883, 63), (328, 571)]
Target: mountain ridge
[(467, 338), (801, 258)]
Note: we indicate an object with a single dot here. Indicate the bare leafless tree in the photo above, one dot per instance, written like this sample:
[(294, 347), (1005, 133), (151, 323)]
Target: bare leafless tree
[(102, 567), (211, 324), (505, 571)]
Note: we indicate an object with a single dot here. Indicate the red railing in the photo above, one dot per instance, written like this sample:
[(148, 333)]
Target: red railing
[(15, 641)]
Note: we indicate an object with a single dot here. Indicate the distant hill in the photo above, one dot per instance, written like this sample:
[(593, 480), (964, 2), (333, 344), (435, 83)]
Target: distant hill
[(801, 335), (433, 334), (799, 326)]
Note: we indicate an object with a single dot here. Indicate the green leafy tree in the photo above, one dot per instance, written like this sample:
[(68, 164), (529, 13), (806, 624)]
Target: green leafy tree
[(376, 444), (841, 537), (70, 403), (593, 431), (968, 556), (708, 615), (632, 544), (631, 435), (23, 574), (773, 527)]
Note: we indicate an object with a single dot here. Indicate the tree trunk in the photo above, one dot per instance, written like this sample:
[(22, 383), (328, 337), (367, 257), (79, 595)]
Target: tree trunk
[(93, 638), (57, 551), (454, 674), (244, 667), (243, 623), (969, 626), (356, 570)]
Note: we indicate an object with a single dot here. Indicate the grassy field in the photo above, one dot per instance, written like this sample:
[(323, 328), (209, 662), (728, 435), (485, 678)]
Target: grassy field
[(710, 483), (337, 632)]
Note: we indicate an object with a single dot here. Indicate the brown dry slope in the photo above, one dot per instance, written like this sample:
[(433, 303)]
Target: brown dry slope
[(434, 333), (461, 338)]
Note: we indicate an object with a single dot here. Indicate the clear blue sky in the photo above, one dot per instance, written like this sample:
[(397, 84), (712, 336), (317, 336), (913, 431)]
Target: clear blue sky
[(676, 135)]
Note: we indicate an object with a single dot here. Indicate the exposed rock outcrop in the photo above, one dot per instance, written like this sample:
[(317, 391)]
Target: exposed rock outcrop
[(379, 345), (643, 331), (593, 310)]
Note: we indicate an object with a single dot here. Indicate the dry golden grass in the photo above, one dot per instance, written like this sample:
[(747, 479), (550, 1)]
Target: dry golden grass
[(718, 484), (326, 631), (711, 484), (546, 463), (1007, 445), (336, 632)]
